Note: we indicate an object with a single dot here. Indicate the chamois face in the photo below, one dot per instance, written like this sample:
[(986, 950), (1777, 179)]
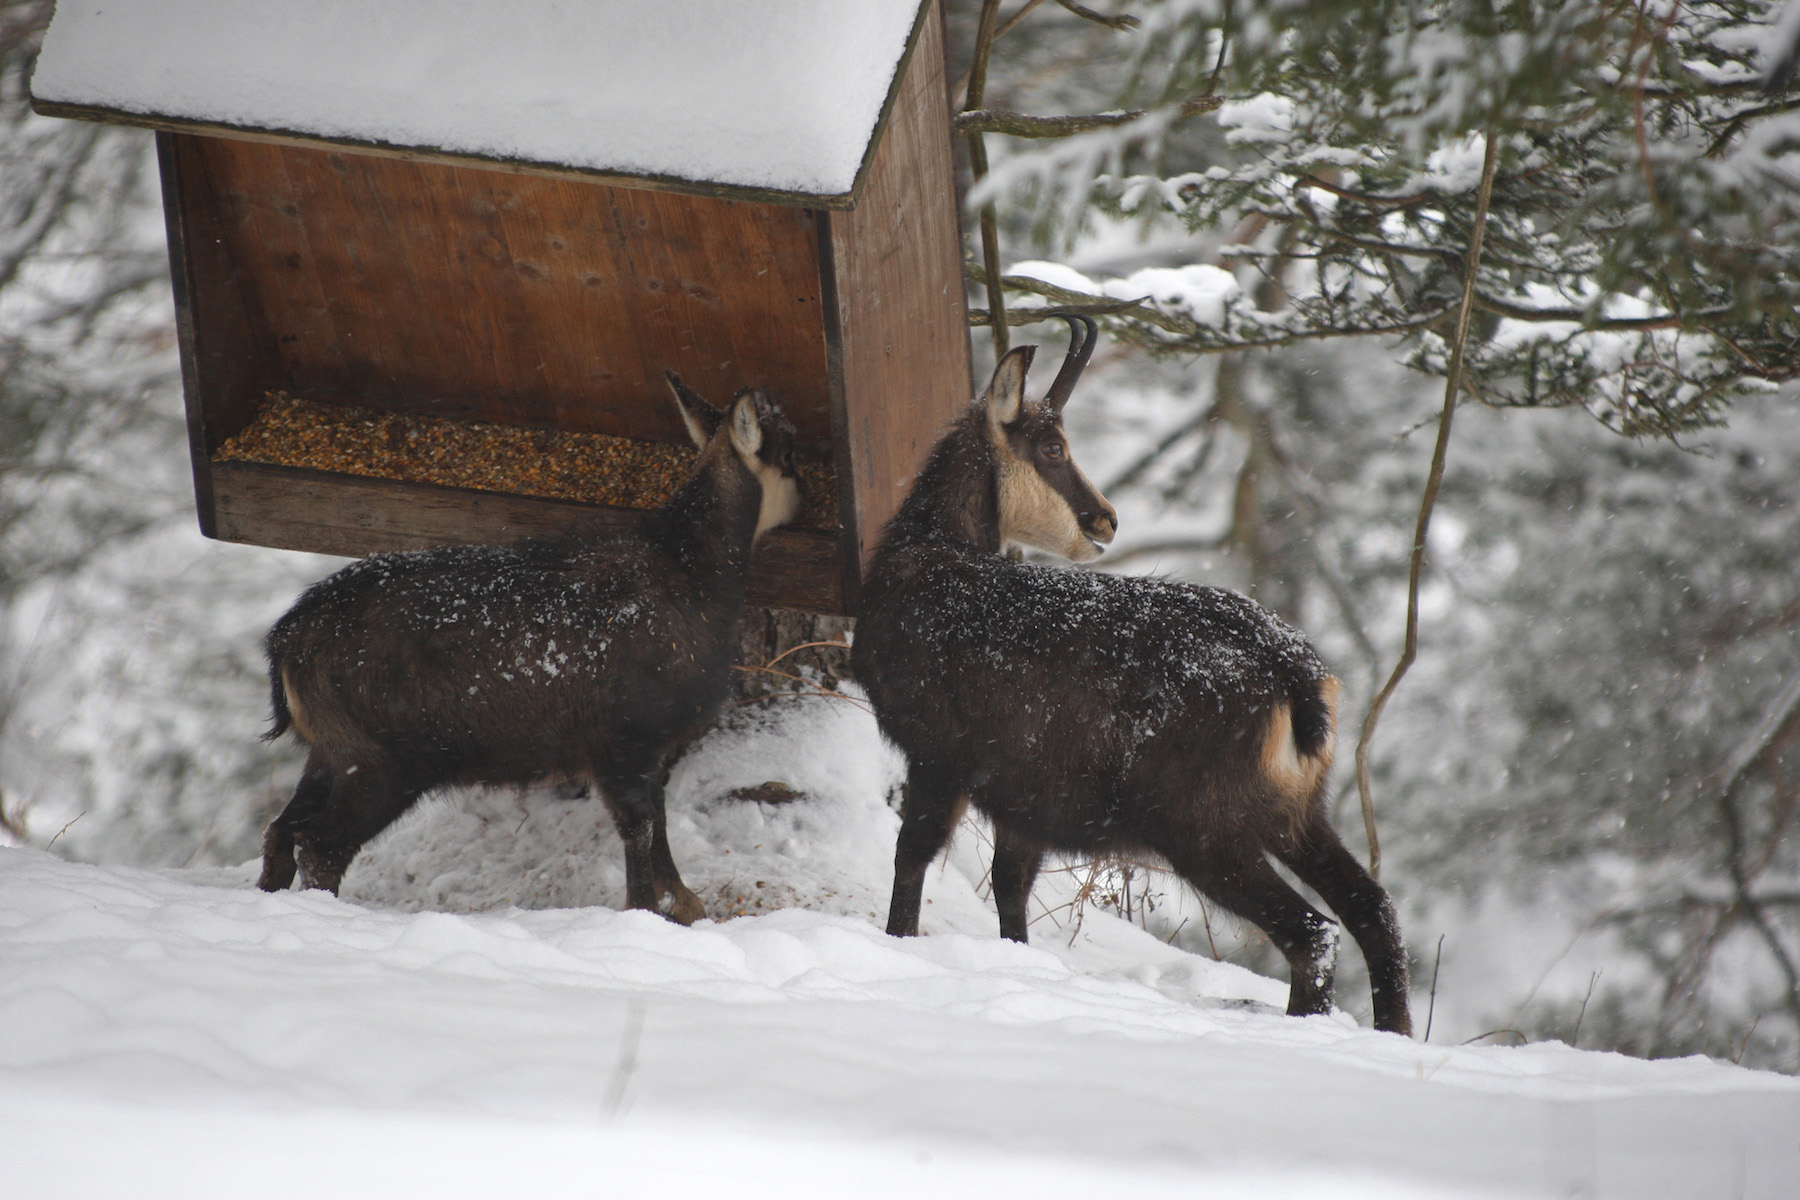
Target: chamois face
[(1045, 500), (762, 438)]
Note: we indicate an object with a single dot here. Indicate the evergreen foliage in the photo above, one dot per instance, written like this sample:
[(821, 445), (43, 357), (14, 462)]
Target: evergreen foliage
[(1645, 231)]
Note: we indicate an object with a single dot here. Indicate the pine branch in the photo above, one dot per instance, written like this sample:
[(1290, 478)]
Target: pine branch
[(1584, 318), (1194, 337), (1523, 312), (1365, 198)]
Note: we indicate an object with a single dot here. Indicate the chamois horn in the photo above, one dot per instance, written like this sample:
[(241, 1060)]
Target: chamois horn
[(1082, 335)]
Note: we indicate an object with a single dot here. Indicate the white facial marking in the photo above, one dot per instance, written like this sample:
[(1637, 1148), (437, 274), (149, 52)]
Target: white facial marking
[(780, 497), (1032, 513)]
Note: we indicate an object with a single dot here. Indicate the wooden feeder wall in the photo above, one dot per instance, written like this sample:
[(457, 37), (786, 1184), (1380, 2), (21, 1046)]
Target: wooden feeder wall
[(555, 300)]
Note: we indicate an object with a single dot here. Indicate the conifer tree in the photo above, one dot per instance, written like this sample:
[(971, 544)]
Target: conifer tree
[(1641, 252)]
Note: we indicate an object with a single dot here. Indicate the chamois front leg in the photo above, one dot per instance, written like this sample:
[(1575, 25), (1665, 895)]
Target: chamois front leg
[(673, 899), (929, 816), (651, 879), (632, 800), (1016, 862)]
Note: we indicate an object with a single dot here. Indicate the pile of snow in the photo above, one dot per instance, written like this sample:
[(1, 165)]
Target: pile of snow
[(780, 94), (178, 1033)]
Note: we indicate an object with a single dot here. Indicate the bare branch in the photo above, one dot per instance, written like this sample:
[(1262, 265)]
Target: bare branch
[(1768, 730), (997, 120), (1121, 22), (1452, 385), (45, 204), (1780, 711), (980, 317), (1145, 550), (1139, 466), (978, 169), (1692, 900), (1736, 854)]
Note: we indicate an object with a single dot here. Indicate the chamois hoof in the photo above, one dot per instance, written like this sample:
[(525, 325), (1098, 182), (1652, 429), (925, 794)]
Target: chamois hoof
[(681, 906), (316, 874), (276, 877), (278, 860)]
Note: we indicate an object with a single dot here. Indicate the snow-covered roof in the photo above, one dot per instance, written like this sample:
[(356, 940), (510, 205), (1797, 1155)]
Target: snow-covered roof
[(779, 96)]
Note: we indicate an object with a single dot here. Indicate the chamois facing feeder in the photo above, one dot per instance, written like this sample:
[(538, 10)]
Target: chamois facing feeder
[(1101, 714), (499, 231), (597, 657)]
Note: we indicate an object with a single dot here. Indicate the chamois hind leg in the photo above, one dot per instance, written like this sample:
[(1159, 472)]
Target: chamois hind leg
[(309, 799), (1016, 862), (363, 802), (927, 819), (1247, 884), (1323, 864)]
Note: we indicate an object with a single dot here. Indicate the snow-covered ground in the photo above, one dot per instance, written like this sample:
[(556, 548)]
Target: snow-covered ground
[(474, 1018)]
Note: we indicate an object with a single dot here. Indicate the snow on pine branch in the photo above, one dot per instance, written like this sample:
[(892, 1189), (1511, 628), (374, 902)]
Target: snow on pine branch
[(1643, 253)]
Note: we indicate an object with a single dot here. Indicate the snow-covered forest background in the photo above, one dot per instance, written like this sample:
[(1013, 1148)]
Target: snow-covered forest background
[(1586, 786)]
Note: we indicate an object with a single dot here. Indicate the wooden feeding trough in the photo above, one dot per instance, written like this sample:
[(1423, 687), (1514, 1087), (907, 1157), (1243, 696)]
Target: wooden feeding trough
[(428, 280)]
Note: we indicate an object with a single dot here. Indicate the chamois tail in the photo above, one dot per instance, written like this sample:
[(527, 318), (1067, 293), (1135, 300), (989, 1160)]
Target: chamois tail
[(282, 719), (1313, 704), (1299, 740)]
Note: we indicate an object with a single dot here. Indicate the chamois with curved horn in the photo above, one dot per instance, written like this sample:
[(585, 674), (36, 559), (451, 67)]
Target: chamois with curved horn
[(1101, 714), (594, 658)]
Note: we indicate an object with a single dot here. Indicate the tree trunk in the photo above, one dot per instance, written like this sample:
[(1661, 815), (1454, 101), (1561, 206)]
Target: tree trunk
[(770, 665)]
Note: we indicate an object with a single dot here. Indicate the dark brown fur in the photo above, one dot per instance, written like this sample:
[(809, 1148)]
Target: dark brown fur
[(1104, 714), (594, 658)]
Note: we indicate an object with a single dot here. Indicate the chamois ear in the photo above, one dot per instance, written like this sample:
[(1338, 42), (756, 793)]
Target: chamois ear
[(1005, 395), (746, 424), (701, 418)]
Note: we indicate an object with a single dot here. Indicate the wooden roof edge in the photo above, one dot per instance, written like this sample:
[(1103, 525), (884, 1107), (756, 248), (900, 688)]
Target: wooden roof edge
[(431, 154), (839, 201), (926, 8)]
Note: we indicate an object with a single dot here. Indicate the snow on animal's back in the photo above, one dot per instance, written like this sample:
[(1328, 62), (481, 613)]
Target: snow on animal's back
[(1144, 642), (474, 593)]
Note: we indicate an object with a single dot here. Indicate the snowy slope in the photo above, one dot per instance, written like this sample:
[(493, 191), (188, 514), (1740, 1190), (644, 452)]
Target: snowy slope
[(177, 1033)]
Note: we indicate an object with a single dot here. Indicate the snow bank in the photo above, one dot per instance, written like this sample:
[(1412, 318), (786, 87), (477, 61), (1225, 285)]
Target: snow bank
[(207, 1035), (779, 94), (210, 1038)]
